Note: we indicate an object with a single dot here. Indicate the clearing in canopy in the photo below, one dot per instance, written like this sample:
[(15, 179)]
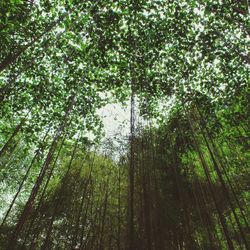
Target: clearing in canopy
[(124, 125)]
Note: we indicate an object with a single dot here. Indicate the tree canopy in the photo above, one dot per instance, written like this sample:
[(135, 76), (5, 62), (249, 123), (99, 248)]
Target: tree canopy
[(180, 179)]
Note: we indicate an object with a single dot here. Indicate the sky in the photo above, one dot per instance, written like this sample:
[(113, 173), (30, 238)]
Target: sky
[(115, 119)]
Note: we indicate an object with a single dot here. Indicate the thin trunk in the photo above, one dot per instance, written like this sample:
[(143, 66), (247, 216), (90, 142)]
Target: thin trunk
[(50, 227), (131, 177), (42, 196), (217, 169), (200, 203), (145, 190), (15, 132), (24, 178), (83, 198), (29, 204), (101, 242), (84, 220), (204, 165), (119, 210)]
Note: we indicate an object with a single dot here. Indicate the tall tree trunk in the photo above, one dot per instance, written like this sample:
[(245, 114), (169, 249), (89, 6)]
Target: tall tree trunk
[(217, 169), (50, 227), (204, 165), (131, 177), (41, 198), (24, 178), (29, 204)]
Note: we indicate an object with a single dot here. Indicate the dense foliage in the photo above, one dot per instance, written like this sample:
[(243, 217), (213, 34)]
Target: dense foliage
[(180, 180)]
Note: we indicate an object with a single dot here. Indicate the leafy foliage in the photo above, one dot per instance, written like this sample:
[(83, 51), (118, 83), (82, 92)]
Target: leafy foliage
[(182, 180)]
